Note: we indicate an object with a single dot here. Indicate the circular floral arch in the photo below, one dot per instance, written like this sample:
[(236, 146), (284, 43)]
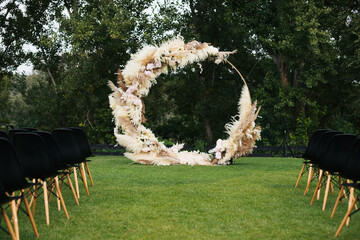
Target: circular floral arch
[(135, 81)]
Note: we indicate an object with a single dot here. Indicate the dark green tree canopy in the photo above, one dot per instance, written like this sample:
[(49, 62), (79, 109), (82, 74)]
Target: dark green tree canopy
[(300, 58)]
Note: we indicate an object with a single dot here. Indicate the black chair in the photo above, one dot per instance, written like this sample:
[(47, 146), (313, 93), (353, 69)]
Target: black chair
[(58, 160), (13, 179), (30, 129), (83, 141), (4, 134), (70, 150), (333, 161), (11, 171), (84, 148), (38, 165), (12, 132), (326, 138), (3, 200), (310, 152), (351, 171), (313, 143), (321, 147)]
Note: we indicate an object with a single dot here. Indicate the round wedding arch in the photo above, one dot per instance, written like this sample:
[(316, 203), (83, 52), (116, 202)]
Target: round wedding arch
[(135, 81)]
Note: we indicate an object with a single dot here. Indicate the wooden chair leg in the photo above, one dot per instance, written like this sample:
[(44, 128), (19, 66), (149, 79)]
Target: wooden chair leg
[(297, 182), (346, 217), (61, 180), (351, 202), (83, 176), (32, 195), (311, 168), (51, 191), (18, 202), (57, 199), (318, 192), (328, 182), (319, 189), (72, 188), (58, 192), (89, 173), (15, 218), (76, 183), (337, 201), (34, 199), (29, 213), (310, 177), (58, 204), (8, 224), (46, 202), (317, 186)]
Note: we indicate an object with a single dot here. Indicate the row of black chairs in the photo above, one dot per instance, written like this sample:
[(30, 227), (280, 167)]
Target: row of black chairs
[(31, 160), (333, 159)]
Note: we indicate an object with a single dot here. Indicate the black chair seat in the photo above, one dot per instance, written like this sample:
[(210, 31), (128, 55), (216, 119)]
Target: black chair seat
[(338, 150), (30, 129), (323, 145), (70, 150), (83, 142), (54, 150), (314, 143), (12, 132), (68, 146), (352, 167), (12, 173), (12, 179), (3, 134), (34, 156), (350, 171)]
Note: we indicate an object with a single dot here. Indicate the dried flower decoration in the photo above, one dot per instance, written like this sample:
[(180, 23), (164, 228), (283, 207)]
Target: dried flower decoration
[(135, 81)]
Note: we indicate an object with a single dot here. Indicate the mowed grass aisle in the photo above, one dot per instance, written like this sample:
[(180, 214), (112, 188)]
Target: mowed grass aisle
[(253, 199)]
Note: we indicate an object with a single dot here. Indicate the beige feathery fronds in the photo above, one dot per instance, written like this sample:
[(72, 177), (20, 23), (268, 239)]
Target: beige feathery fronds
[(134, 82), (242, 130), (112, 86), (244, 105), (120, 80)]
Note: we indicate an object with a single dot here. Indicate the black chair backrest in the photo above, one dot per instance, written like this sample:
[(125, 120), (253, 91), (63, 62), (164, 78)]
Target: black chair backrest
[(314, 143), (352, 167), (30, 129), (337, 152), (4, 134), (323, 144), (53, 149), (12, 132), (34, 155), (68, 145), (11, 171), (83, 141)]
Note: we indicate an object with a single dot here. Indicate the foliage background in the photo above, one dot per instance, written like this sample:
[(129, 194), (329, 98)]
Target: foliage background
[(300, 58)]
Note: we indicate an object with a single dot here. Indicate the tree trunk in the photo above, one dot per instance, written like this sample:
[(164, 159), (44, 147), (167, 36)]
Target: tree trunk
[(71, 7), (281, 65), (295, 72), (52, 78), (207, 125), (209, 134), (283, 70)]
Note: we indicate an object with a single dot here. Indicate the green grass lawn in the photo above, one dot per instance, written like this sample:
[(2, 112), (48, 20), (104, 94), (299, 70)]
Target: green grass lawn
[(253, 199)]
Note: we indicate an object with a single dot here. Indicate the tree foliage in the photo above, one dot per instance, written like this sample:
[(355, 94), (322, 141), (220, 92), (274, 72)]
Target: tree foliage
[(300, 58)]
